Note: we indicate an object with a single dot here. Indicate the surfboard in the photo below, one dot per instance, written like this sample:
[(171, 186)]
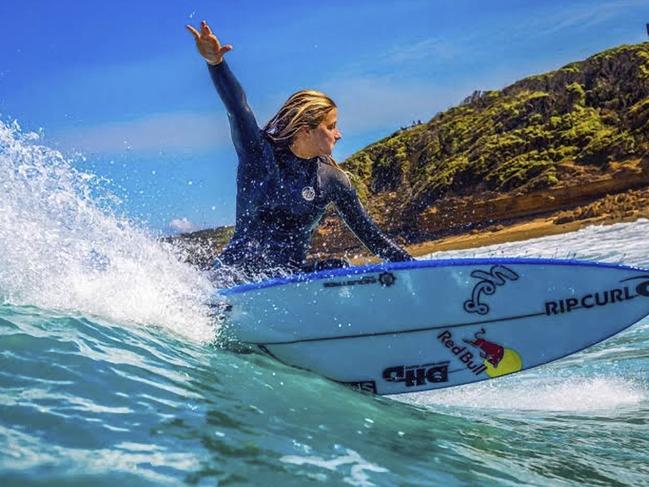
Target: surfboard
[(411, 326)]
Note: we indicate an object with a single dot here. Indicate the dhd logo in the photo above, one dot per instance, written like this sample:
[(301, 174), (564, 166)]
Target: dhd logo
[(417, 375)]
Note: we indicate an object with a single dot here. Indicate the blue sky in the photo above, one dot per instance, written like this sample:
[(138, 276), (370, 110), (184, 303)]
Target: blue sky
[(122, 83)]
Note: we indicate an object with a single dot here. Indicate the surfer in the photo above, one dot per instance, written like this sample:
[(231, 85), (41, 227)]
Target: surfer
[(286, 177)]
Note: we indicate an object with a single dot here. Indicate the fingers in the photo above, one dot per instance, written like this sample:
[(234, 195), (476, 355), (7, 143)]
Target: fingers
[(206, 28), (208, 44), (194, 32)]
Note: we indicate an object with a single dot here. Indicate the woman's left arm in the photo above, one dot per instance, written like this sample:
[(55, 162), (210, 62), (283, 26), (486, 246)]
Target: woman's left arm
[(246, 135), (354, 215)]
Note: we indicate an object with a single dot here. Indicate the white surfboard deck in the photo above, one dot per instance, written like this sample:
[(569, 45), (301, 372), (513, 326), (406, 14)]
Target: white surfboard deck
[(412, 326)]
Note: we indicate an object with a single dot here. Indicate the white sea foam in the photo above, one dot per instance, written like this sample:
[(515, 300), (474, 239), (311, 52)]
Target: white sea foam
[(619, 243), (357, 471), (64, 246), (542, 390), (576, 394)]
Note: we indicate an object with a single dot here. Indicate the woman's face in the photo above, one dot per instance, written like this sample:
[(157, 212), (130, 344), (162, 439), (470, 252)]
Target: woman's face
[(321, 140)]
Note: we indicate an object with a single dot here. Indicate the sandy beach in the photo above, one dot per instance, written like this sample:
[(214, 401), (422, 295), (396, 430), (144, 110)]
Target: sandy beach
[(538, 227)]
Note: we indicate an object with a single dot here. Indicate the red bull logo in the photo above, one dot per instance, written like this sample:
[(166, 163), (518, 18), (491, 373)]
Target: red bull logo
[(490, 351), (496, 360), (465, 356)]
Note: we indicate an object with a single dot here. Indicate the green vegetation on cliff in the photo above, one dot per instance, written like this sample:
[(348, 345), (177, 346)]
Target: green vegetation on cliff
[(587, 113)]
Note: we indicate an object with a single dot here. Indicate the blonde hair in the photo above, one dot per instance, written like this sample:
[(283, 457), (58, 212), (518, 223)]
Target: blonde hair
[(305, 108)]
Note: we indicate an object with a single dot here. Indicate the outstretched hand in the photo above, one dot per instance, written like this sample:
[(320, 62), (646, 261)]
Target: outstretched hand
[(208, 45)]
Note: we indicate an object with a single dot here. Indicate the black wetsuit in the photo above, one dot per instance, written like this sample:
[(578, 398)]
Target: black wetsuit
[(281, 197)]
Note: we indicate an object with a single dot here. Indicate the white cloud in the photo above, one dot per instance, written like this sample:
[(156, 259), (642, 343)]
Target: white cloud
[(585, 15), (373, 102), (174, 132), (426, 49), (182, 225)]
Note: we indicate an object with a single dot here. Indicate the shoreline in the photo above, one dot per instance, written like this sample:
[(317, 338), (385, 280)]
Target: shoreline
[(534, 228), (624, 207)]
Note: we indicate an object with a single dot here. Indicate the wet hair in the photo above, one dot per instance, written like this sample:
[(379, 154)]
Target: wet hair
[(305, 108)]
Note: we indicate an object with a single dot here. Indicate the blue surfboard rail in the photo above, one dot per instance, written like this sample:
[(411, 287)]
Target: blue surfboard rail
[(415, 264)]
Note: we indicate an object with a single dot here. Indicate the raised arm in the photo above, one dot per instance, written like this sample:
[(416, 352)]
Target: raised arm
[(352, 212), (246, 135)]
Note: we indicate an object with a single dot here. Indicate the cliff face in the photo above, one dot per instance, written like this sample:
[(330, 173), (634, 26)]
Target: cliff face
[(548, 143), (452, 214)]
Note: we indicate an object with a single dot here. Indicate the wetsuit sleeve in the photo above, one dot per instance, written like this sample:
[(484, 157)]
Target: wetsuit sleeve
[(352, 212), (246, 135)]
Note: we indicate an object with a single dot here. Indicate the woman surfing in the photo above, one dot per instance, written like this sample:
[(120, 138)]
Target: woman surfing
[(286, 177)]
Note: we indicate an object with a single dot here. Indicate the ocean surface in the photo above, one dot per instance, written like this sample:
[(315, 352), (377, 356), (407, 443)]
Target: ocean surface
[(111, 371)]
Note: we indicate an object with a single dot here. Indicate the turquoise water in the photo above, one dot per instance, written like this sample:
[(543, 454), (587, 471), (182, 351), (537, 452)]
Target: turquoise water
[(111, 371), (89, 402)]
